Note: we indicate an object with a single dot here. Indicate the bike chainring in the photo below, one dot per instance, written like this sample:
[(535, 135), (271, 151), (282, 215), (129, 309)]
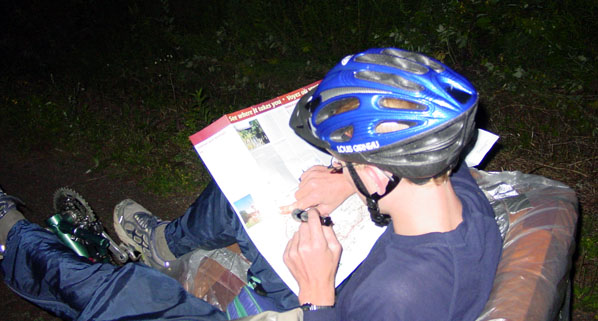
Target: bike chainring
[(73, 207)]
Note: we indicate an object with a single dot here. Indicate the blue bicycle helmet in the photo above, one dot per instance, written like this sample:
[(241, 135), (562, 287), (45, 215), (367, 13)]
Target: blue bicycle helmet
[(398, 110)]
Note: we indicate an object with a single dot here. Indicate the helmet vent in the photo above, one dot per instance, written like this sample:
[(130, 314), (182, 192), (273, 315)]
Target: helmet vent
[(394, 62), (415, 57), (342, 135), (392, 126), (394, 103), (337, 107), (389, 80), (339, 91), (459, 95)]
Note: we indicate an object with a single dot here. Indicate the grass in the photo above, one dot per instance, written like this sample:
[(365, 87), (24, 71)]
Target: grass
[(168, 69), (553, 134)]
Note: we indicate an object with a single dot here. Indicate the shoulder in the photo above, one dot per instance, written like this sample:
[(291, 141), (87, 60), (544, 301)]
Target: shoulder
[(469, 191)]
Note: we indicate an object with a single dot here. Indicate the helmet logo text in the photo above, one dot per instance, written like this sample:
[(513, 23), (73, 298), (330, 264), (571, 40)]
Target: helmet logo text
[(358, 147)]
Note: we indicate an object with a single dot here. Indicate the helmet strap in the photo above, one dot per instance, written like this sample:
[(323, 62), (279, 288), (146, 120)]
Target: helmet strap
[(372, 199)]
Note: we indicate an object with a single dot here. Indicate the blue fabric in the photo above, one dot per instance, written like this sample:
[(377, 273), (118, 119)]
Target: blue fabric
[(41, 269), (435, 276)]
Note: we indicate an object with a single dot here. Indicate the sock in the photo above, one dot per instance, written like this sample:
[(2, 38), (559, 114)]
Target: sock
[(8, 221), (161, 245)]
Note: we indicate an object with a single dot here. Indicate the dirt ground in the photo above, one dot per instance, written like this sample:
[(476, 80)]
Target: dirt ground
[(34, 179)]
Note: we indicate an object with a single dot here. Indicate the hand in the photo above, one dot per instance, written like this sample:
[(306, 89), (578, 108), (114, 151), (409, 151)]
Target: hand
[(312, 256), (320, 187)]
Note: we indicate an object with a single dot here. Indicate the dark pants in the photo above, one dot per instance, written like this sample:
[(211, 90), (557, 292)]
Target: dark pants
[(41, 269)]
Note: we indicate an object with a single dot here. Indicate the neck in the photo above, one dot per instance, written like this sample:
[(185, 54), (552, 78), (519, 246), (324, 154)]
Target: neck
[(420, 209)]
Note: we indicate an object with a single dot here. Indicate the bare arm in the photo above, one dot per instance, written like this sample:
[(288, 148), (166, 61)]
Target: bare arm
[(312, 256)]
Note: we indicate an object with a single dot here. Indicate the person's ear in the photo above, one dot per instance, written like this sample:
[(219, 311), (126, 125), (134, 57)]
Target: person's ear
[(377, 177)]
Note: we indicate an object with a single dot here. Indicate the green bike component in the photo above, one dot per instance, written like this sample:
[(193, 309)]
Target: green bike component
[(77, 227), (79, 239), (54, 223)]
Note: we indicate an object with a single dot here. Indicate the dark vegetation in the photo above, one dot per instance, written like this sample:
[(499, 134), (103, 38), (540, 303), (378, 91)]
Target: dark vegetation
[(127, 82)]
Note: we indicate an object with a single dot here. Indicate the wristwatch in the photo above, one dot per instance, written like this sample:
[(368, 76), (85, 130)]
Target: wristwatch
[(312, 307)]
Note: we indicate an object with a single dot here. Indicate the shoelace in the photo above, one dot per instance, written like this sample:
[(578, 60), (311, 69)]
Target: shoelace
[(146, 220)]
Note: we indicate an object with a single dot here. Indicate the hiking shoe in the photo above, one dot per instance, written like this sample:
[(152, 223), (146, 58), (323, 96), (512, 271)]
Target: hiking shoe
[(8, 203), (136, 227)]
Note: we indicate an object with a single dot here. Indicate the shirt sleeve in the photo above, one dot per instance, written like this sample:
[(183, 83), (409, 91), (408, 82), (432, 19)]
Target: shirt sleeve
[(321, 315)]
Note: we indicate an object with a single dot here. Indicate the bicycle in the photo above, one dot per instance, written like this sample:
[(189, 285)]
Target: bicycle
[(77, 226)]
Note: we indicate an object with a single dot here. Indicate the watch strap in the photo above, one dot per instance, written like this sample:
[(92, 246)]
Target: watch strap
[(312, 307)]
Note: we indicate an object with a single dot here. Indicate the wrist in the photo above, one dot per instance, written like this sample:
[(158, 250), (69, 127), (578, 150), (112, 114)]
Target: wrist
[(319, 299)]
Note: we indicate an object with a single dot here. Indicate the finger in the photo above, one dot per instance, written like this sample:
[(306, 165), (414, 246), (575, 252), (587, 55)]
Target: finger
[(293, 249), (290, 243), (333, 244), (310, 192), (315, 225), (305, 198), (303, 231), (329, 234), (295, 241), (309, 183), (305, 175), (299, 247), (303, 204), (304, 194), (287, 252), (312, 172), (317, 168), (287, 209)]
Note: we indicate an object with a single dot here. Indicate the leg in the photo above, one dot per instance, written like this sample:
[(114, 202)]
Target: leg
[(210, 222), (40, 268)]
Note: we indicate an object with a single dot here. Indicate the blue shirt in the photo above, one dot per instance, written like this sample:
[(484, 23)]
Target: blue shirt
[(434, 276)]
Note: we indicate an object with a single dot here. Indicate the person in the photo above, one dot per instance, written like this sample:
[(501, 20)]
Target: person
[(40, 268), (397, 123)]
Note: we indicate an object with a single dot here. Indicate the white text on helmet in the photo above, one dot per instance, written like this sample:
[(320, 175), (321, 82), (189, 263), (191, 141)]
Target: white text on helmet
[(358, 147)]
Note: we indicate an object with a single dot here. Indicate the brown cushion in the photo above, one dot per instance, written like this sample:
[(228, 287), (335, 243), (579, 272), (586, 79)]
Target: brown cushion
[(533, 272)]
